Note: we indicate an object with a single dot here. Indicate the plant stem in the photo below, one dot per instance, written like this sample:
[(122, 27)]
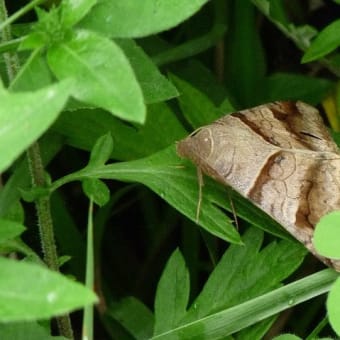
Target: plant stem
[(46, 226), (36, 169)]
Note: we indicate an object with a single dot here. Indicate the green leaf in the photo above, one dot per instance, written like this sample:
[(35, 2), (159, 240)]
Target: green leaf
[(82, 128), (134, 19), (233, 319), (73, 11), (325, 42), (134, 316), (26, 331), (87, 329), (301, 35), (244, 37), (195, 106), (102, 73), (33, 75), (96, 190), (326, 238), (287, 337), (191, 47), (24, 117), (289, 86), (15, 213), (10, 230), (101, 151), (49, 293), (333, 306), (163, 173), (172, 294), (155, 86), (240, 282)]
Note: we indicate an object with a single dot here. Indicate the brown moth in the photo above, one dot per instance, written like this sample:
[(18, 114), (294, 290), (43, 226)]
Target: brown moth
[(278, 155)]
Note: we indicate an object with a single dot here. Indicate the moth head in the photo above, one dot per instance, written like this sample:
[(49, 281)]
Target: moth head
[(198, 146)]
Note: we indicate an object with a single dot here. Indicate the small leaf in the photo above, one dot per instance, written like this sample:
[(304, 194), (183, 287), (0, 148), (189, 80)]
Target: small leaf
[(102, 73), (49, 293), (130, 18), (333, 306), (102, 150), (97, 190), (32, 41), (10, 230), (33, 194), (325, 42), (24, 117), (172, 294), (326, 236)]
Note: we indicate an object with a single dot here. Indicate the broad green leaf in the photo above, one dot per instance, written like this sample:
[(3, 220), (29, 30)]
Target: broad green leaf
[(231, 320), (10, 230), (236, 270), (333, 306), (155, 86), (172, 294), (289, 86), (101, 151), (49, 293), (326, 238), (163, 173), (82, 128), (134, 316), (96, 190), (74, 10), (325, 42), (195, 106), (26, 331), (134, 19), (176, 182), (24, 117), (102, 73)]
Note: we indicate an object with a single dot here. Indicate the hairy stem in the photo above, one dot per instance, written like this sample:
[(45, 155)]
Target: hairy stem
[(37, 173)]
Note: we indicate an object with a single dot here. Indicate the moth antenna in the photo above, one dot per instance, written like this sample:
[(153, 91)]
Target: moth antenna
[(200, 186)]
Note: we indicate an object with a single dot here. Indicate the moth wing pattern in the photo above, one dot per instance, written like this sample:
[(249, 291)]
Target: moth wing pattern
[(278, 155)]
